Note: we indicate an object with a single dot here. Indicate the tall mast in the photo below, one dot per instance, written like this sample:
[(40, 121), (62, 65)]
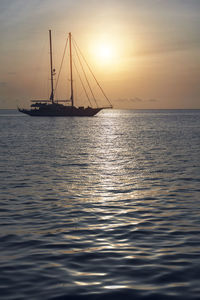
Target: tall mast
[(71, 73), (52, 71)]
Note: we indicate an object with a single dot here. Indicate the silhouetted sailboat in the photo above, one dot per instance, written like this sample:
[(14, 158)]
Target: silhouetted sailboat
[(52, 107)]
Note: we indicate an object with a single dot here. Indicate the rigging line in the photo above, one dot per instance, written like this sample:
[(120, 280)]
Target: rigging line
[(92, 73), (61, 64), (84, 73), (82, 83)]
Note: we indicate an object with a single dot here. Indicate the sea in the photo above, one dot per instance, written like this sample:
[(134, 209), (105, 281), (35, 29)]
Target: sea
[(106, 207)]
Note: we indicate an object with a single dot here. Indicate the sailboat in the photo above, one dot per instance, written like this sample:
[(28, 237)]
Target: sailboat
[(55, 108)]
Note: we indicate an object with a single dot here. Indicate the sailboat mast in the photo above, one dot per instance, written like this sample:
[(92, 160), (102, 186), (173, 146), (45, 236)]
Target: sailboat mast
[(52, 71), (71, 72)]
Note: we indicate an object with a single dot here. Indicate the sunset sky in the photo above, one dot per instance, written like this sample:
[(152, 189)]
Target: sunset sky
[(145, 53)]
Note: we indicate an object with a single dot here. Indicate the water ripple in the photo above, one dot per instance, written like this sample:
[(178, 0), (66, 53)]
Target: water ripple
[(100, 208)]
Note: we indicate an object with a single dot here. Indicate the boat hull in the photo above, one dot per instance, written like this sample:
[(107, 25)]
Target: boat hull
[(64, 111)]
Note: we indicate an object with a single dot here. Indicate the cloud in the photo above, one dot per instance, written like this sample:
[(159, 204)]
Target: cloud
[(137, 99), (152, 100), (12, 73), (173, 46), (3, 84)]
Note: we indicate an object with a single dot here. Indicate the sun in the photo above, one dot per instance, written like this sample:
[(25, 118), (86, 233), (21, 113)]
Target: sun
[(104, 52)]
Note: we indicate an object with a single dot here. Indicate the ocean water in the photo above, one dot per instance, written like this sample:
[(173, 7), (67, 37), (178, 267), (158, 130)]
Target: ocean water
[(100, 208)]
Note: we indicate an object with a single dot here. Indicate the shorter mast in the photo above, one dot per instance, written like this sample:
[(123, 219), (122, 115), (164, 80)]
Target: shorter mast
[(52, 70), (71, 72)]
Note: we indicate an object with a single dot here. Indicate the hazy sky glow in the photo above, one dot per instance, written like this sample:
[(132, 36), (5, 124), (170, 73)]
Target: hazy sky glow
[(149, 55)]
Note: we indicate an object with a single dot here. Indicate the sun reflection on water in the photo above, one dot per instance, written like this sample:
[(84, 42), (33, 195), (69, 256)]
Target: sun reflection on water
[(102, 206)]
